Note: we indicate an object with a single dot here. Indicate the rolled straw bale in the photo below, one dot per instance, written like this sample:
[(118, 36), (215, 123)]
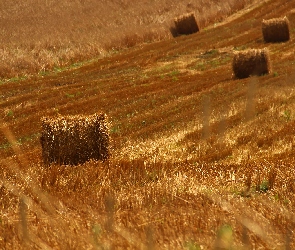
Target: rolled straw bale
[(251, 62), (276, 30), (74, 140), (186, 24)]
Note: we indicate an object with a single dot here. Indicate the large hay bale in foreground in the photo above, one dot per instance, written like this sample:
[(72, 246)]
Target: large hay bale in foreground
[(186, 24), (251, 62), (276, 30), (74, 140)]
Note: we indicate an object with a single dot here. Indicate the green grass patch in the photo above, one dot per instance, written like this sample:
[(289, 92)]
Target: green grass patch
[(20, 141), (209, 60)]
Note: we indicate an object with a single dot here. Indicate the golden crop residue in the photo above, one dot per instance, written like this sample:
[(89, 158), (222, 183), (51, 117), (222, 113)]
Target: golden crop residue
[(75, 139), (198, 158), (39, 37)]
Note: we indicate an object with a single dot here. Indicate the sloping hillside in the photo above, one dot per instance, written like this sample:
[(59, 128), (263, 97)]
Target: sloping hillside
[(38, 36), (200, 160)]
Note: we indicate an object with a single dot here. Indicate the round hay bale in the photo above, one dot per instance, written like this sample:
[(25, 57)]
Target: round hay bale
[(186, 24), (251, 62), (276, 30), (74, 140)]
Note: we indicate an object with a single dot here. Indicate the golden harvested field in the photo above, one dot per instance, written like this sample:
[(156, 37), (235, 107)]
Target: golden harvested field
[(37, 36), (199, 159)]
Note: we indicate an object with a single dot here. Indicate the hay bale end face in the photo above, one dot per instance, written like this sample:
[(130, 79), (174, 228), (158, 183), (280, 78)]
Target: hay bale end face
[(251, 62), (186, 24), (74, 140), (276, 30)]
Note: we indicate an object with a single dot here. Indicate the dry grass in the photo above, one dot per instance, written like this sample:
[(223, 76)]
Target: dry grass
[(251, 62), (200, 160), (276, 30), (136, 204), (37, 37)]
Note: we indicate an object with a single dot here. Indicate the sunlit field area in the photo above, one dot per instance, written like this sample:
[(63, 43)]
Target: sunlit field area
[(37, 36), (198, 158)]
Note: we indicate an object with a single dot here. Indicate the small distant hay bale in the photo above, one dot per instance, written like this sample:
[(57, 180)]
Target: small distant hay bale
[(251, 62), (74, 140), (186, 24), (276, 30)]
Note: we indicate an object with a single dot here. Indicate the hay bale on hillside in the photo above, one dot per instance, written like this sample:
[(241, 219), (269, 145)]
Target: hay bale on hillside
[(74, 140), (276, 30), (186, 24), (251, 62)]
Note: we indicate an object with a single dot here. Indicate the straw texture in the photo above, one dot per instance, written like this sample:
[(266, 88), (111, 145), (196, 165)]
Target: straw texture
[(186, 24), (251, 62), (276, 30), (73, 140)]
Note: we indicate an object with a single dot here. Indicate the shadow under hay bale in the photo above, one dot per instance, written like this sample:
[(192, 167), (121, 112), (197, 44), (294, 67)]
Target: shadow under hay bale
[(186, 24), (276, 30), (251, 62), (74, 140)]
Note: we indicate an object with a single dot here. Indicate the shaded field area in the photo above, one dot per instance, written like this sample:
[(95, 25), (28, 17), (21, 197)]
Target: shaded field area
[(199, 159)]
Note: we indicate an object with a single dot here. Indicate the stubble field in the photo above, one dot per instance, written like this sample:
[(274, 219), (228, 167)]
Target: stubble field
[(38, 36), (200, 160)]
